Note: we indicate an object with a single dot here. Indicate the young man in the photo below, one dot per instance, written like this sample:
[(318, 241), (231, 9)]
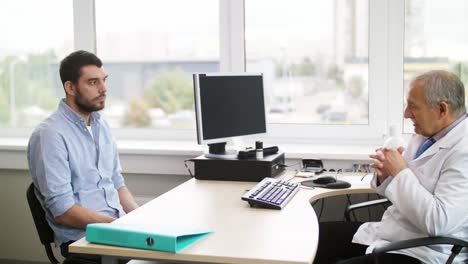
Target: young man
[(427, 184), (73, 158)]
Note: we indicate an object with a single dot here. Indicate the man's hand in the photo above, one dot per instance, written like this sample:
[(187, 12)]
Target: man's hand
[(126, 199), (80, 217), (388, 162)]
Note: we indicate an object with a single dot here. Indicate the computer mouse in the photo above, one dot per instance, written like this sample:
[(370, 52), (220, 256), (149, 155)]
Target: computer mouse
[(328, 182), (324, 180)]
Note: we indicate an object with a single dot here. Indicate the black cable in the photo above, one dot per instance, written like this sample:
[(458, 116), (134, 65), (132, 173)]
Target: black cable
[(321, 209), (349, 199), (350, 203), (368, 208), (354, 212), (186, 166), (316, 201), (347, 204), (288, 165)]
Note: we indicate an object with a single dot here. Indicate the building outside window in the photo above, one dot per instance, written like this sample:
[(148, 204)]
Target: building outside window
[(435, 38), (314, 55), (150, 50)]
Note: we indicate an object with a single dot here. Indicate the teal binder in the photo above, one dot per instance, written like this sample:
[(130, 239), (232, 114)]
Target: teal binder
[(170, 239)]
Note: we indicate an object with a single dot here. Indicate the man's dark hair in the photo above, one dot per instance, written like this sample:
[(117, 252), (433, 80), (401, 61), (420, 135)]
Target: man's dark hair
[(70, 67)]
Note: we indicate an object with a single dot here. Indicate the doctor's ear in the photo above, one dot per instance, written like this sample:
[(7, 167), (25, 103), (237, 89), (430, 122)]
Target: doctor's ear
[(443, 108)]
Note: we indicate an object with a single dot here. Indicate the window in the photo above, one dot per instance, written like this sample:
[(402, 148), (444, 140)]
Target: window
[(32, 41), (150, 50), (330, 66), (435, 38), (314, 56)]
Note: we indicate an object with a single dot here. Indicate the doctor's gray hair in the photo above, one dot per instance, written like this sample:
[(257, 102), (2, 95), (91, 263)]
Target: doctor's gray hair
[(440, 85)]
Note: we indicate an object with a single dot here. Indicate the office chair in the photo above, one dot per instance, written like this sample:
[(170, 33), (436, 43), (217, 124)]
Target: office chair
[(457, 244), (46, 235)]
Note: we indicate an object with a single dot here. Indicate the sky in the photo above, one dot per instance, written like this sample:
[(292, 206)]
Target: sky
[(31, 25), (28, 25)]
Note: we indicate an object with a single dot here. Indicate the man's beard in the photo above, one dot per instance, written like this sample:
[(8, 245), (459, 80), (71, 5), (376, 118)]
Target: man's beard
[(84, 106)]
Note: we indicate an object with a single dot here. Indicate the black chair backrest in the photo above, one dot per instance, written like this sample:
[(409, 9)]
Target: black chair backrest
[(46, 235)]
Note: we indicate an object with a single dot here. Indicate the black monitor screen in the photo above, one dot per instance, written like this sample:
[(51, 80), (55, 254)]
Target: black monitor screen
[(231, 105)]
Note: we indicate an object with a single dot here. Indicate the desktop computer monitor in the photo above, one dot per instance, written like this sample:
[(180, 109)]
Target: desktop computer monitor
[(228, 106)]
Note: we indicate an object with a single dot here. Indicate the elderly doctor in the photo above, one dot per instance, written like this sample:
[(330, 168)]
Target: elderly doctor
[(427, 183)]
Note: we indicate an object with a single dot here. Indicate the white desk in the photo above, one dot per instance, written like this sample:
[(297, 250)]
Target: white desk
[(242, 234)]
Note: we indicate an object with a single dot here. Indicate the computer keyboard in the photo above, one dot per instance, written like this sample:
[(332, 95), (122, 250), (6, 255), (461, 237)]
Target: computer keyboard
[(271, 193)]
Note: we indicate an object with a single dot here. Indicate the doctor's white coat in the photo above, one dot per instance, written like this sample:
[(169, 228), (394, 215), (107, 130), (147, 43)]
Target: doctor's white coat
[(429, 198)]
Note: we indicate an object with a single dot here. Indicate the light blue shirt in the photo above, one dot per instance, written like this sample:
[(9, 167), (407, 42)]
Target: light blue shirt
[(70, 167)]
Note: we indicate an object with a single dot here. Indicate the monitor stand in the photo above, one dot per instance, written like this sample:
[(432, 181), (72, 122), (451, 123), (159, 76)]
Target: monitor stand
[(218, 151)]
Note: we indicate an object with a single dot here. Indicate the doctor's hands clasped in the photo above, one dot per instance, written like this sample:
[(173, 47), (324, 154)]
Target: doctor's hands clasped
[(388, 162)]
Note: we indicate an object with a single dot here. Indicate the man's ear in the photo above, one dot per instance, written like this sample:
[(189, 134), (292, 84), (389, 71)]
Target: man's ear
[(444, 109), (69, 88)]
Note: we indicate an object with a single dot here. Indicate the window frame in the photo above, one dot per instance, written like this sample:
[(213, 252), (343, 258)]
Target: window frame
[(386, 99), (386, 50), (378, 74)]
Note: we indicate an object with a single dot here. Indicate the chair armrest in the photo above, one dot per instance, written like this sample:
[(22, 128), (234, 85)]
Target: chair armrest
[(458, 245), (353, 207), (418, 242)]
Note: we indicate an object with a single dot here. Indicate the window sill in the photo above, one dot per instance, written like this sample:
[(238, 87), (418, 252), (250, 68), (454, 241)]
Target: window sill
[(167, 157)]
